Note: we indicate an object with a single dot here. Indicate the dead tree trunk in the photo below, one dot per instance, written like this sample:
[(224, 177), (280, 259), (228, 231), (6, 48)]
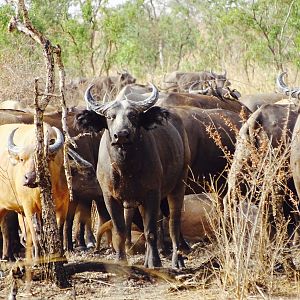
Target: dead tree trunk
[(51, 244)]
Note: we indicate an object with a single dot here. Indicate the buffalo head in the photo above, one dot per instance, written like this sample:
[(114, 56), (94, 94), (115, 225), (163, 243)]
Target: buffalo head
[(123, 119), (220, 80), (125, 78), (83, 172), (23, 156)]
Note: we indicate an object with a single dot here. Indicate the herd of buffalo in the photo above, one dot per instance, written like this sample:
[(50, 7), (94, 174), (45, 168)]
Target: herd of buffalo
[(146, 149)]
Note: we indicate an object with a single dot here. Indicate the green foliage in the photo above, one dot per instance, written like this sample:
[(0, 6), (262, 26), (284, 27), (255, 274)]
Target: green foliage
[(154, 37), (6, 12)]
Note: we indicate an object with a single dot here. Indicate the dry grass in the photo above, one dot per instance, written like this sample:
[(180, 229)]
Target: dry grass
[(251, 262)]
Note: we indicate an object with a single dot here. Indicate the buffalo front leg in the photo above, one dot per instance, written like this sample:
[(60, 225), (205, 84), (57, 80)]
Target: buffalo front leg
[(128, 215), (149, 211), (85, 225), (116, 212), (69, 225), (175, 204), (7, 234), (31, 235)]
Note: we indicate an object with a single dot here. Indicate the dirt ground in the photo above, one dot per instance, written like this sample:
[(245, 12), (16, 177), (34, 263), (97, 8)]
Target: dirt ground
[(97, 285), (192, 283)]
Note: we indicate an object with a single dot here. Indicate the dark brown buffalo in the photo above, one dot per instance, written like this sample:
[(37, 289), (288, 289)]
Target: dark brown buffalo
[(107, 87), (254, 101), (198, 113), (143, 157), (85, 188), (275, 123), (219, 92), (181, 81), (293, 93), (74, 91), (208, 160), (202, 101)]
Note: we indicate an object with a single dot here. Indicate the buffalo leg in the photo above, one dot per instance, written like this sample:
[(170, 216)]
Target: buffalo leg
[(9, 228), (82, 213), (85, 225), (90, 238), (61, 216), (150, 212), (128, 215), (116, 212), (103, 217), (79, 233), (175, 201), (31, 237), (107, 226), (69, 225)]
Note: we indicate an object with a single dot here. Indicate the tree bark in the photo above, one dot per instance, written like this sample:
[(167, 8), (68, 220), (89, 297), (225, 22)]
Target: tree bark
[(51, 243)]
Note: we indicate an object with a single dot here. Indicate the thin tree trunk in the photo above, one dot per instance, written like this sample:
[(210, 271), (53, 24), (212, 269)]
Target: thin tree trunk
[(51, 243)]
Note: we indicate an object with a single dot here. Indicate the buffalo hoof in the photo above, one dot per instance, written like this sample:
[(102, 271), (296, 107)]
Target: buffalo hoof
[(178, 261), (185, 247), (153, 265), (8, 258), (152, 262), (81, 248), (90, 245), (121, 257)]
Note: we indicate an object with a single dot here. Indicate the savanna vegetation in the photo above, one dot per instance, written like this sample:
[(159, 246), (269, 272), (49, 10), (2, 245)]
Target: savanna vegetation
[(253, 41)]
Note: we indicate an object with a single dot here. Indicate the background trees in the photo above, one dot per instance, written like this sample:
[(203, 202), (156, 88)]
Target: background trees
[(252, 40)]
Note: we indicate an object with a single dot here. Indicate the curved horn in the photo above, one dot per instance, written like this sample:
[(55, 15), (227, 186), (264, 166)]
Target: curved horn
[(150, 101), (191, 91), (79, 159), (12, 148), (91, 103), (283, 88), (58, 142), (225, 73), (213, 73)]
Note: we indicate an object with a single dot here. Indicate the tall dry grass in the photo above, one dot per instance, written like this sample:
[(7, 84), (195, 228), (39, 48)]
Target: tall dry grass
[(256, 255)]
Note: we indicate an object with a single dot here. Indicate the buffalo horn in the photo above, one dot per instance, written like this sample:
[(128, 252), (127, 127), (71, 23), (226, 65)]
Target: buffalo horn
[(90, 101), (213, 73), (12, 148), (58, 142), (191, 91), (92, 104), (79, 159), (150, 101), (283, 88)]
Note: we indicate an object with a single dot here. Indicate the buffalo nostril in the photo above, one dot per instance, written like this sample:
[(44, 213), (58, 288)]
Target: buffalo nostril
[(30, 179), (122, 136)]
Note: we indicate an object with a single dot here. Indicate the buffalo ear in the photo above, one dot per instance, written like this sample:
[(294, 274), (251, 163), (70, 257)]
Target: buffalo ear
[(153, 116), (88, 120)]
